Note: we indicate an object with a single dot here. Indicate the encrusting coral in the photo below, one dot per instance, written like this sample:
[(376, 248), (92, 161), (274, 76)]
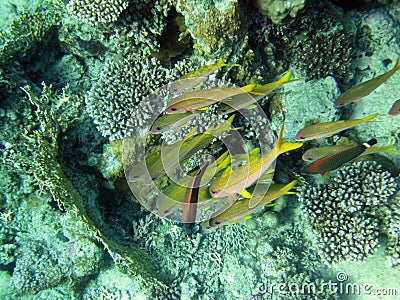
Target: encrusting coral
[(36, 269), (278, 10), (345, 213), (317, 42)]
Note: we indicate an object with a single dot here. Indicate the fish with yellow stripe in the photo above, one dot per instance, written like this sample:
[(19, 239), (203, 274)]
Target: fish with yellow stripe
[(235, 181), (336, 160), (326, 129), (201, 99), (196, 77), (167, 160), (317, 153), (258, 92), (365, 88), (241, 208)]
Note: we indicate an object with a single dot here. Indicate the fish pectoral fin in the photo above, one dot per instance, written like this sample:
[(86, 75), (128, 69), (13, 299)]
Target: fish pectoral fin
[(201, 108), (252, 106), (244, 193)]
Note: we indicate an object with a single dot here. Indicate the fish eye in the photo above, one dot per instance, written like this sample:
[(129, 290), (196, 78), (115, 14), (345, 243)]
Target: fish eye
[(173, 109), (158, 128)]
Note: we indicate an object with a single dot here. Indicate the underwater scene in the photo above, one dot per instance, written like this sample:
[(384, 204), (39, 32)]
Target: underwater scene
[(200, 149)]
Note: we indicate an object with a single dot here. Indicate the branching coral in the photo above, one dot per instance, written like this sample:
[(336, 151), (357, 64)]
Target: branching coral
[(345, 213), (97, 12), (392, 220), (26, 31), (124, 83)]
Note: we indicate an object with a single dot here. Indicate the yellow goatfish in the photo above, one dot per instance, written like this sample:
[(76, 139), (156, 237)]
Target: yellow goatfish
[(257, 93), (167, 122), (199, 99), (235, 181), (326, 129), (174, 195), (365, 88), (240, 209), (190, 80), (167, 160), (317, 153)]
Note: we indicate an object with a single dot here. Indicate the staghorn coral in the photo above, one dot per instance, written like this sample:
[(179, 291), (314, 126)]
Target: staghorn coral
[(97, 12), (344, 214)]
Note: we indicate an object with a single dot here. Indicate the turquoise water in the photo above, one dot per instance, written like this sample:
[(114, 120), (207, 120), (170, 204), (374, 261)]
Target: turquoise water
[(81, 85)]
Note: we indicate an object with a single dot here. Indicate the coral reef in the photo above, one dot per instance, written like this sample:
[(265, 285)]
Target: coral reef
[(36, 269), (26, 31), (42, 141), (318, 43), (345, 213), (124, 82), (392, 222), (97, 12), (217, 27), (278, 10)]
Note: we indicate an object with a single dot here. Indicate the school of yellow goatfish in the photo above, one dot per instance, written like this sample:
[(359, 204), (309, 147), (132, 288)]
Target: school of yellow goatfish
[(233, 181)]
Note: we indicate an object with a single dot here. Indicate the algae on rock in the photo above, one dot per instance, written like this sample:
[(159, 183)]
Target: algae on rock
[(51, 177), (217, 27)]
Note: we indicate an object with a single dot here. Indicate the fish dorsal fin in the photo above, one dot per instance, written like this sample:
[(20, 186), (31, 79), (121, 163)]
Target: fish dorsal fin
[(244, 193)]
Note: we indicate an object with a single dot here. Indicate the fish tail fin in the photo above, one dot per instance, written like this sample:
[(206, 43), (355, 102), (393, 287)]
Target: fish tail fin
[(282, 147), (221, 62), (397, 65), (286, 78), (248, 88), (368, 118)]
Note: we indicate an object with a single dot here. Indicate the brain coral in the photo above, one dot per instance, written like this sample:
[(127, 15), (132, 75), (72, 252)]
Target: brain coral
[(344, 213)]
